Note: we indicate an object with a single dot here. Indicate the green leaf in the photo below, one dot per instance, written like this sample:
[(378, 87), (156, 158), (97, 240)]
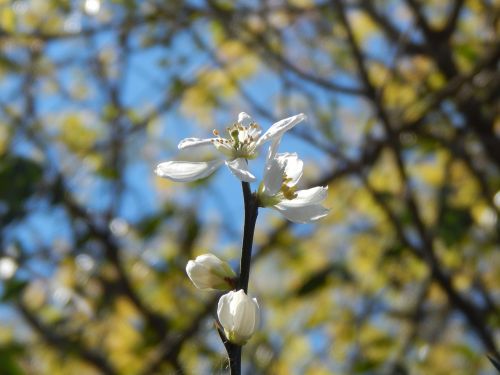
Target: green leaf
[(454, 224), (394, 251), (12, 289), (23, 176), (8, 360), (365, 365)]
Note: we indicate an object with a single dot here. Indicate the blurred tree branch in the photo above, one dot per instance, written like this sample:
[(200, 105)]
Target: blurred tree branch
[(322, 67)]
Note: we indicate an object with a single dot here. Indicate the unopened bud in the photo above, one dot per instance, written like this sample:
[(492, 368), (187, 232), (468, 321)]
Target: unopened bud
[(207, 272), (239, 315)]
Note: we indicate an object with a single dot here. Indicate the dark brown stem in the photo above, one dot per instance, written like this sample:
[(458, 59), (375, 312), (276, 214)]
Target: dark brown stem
[(251, 212)]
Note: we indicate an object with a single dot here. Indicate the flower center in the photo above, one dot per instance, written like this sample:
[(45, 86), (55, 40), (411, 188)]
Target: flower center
[(286, 192), (289, 192), (241, 141)]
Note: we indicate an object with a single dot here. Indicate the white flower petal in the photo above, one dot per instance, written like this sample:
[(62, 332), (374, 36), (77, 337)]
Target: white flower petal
[(239, 315), (303, 214), (308, 197), (273, 177), (271, 152), (276, 169), (244, 119), (245, 315), (280, 127), (254, 132), (239, 167), (185, 171), (224, 313), (194, 142), (257, 313), (199, 275), (209, 272), (293, 167), (209, 260)]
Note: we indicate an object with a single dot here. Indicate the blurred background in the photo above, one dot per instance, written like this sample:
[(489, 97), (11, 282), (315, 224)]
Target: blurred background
[(402, 99)]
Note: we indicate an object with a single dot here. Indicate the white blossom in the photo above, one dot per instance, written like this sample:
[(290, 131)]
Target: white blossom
[(239, 315), (278, 189), (242, 143), (207, 272), (8, 267)]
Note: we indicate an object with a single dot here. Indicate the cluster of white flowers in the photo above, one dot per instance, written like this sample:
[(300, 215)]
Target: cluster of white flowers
[(282, 171), (242, 144), (237, 312)]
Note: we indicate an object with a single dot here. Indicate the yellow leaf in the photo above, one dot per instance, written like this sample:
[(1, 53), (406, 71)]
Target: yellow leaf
[(8, 19), (302, 3), (78, 137), (362, 25)]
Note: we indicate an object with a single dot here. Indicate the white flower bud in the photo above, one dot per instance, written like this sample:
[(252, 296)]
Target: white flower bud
[(239, 315), (209, 272)]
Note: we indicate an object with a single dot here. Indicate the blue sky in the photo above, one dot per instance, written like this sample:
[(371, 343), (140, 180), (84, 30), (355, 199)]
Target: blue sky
[(142, 86)]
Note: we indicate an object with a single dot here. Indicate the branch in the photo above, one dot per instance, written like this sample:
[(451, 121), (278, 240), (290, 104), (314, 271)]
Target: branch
[(390, 30), (155, 320), (170, 347), (64, 343), (451, 24), (439, 49), (419, 16), (474, 317), (261, 46)]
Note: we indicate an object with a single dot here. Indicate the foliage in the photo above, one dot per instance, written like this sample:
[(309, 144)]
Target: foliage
[(401, 96)]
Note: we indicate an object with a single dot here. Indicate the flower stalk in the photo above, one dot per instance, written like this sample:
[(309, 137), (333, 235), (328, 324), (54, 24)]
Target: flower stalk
[(251, 212)]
